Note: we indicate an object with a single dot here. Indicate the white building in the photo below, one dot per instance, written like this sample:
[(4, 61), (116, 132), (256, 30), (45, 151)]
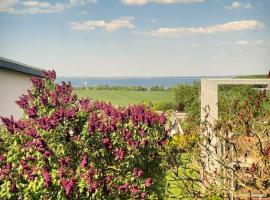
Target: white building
[(14, 81)]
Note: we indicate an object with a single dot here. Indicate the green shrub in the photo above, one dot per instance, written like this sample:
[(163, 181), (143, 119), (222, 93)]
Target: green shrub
[(157, 88), (164, 106), (187, 98)]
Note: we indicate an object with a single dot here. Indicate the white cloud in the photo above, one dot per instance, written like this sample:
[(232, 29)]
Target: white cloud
[(83, 12), (38, 7), (153, 21), (245, 42), (90, 25), (195, 45), (7, 5), (258, 42), (81, 2), (248, 5), (219, 28), (238, 5), (142, 2), (242, 42)]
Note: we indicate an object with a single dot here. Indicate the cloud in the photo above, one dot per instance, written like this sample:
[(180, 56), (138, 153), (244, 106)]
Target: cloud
[(38, 7), (154, 21), (7, 5), (195, 45), (242, 42), (142, 2), (81, 2), (258, 42), (245, 42), (90, 25), (219, 28), (238, 5)]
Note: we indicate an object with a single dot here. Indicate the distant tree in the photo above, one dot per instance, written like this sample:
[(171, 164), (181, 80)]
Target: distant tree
[(157, 88)]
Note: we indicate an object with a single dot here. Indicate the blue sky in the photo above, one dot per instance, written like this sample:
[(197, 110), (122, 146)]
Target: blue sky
[(138, 37)]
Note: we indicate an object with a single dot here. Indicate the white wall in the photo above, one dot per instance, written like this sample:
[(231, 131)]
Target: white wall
[(12, 85)]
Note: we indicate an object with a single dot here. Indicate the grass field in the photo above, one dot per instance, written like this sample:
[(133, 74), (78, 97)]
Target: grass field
[(123, 98)]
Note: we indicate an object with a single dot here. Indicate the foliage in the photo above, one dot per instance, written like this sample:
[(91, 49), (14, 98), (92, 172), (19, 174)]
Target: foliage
[(70, 148), (157, 88), (253, 76), (234, 152), (228, 94), (187, 98), (164, 106)]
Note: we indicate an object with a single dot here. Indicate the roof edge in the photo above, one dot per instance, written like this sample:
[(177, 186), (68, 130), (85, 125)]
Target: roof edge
[(20, 67)]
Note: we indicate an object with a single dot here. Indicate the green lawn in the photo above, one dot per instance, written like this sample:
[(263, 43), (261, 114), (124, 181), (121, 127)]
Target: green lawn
[(123, 98)]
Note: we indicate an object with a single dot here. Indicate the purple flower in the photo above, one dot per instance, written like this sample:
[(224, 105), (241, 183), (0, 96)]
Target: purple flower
[(47, 177), (134, 189), (32, 133), (84, 103), (38, 82), (50, 75), (20, 125), (13, 187), (91, 128), (71, 114), (5, 170), (44, 99), (22, 102), (31, 158), (148, 182), (93, 188), (106, 142), (136, 144), (45, 123), (65, 99), (58, 115), (32, 112), (64, 161), (123, 187), (84, 161), (120, 153), (2, 158), (9, 123), (68, 186), (137, 172), (91, 171), (143, 194), (47, 154), (162, 119), (54, 100), (26, 169), (61, 172)]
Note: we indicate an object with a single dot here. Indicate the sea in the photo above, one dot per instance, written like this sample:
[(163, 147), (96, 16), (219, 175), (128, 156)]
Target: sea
[(147, 82)]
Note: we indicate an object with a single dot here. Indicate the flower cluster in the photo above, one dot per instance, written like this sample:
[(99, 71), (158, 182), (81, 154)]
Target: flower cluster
[(79, 148)]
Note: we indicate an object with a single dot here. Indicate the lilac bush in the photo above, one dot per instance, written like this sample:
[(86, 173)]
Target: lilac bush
[(65, 147)]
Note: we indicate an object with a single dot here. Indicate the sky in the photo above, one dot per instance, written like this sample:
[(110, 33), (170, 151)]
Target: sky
[(138, 37)]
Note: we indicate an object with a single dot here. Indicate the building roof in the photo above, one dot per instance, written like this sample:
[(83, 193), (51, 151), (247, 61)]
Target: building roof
[(19, 67)]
